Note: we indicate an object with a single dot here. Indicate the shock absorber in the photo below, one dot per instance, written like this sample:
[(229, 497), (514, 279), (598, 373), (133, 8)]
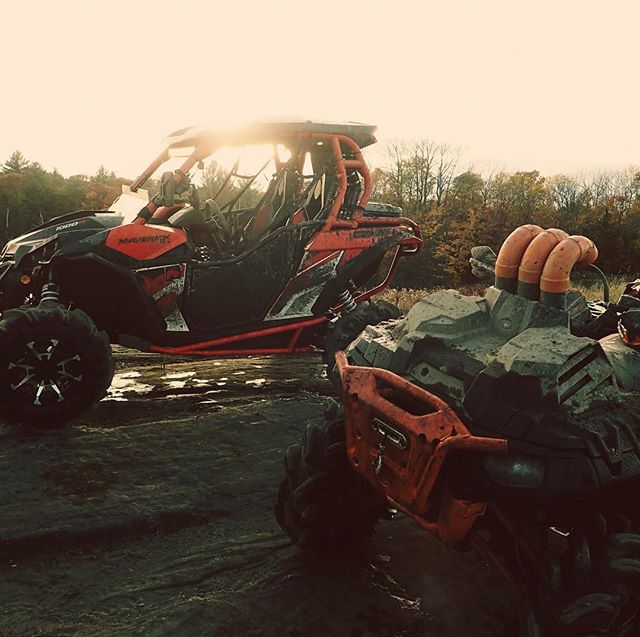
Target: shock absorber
[(50, 293), (346, 299)]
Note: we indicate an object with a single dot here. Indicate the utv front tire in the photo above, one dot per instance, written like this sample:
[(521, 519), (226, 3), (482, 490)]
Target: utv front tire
[(349, 326), (323, 504), (54, 364)]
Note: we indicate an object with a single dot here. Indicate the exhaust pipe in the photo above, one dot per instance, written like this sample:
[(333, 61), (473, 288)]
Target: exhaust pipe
[(533, 261), (554, 282), (510, 255)]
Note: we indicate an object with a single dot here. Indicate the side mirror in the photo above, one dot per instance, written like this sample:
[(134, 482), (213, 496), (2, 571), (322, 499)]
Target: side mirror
[(167, 192)]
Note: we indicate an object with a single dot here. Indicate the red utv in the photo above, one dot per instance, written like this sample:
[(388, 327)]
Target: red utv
[(178, 275)]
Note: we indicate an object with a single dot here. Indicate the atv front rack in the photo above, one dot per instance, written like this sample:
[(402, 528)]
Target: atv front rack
[(399, 436)]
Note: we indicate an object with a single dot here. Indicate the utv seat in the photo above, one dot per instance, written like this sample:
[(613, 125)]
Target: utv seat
[(269, 213), (310, 205)]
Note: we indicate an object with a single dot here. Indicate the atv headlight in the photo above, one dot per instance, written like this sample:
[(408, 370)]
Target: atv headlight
[(513, 470)]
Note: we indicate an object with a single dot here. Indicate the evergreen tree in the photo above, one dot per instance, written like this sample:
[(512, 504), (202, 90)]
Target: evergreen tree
[(16, 163)]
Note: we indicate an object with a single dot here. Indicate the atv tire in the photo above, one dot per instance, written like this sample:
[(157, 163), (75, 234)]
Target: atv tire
[(348, 327), (607, 595), (585, 586), (323, 504), (54, 364)]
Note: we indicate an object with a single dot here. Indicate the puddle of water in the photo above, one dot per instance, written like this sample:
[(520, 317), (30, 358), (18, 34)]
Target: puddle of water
[(124, 384), (408, 604), (177, 375), (176, 384), (256, 382)]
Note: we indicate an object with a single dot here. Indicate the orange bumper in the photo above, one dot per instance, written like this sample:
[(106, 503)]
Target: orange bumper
[(398, 437)]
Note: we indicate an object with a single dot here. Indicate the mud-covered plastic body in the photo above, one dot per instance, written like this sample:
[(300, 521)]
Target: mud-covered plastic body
[(489, 423), (493, 423), (512, 369)]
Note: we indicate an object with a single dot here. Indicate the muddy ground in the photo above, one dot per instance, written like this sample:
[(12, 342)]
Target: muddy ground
[(152, 515)]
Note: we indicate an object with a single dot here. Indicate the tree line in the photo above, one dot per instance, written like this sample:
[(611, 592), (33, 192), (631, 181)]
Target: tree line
[(30, 195), (456, 208)]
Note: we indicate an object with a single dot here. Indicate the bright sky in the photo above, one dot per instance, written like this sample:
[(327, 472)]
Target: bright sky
[(542, 84)]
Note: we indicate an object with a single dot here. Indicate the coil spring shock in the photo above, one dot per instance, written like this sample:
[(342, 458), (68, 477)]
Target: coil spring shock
[(346, 299), (50, 293)]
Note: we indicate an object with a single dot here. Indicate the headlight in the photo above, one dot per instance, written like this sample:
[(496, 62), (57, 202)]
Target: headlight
[(513, 470)]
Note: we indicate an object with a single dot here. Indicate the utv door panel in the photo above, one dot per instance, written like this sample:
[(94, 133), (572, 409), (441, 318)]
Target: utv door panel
[(244, 290)]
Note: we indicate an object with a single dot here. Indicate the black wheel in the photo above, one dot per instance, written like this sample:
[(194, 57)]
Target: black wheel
[(581, 582), (54, 364), (323, 504), (601, 595), (347, 328)]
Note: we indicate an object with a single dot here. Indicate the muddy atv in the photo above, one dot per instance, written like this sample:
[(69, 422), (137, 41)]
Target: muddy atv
[(489, 423), (177, 275)]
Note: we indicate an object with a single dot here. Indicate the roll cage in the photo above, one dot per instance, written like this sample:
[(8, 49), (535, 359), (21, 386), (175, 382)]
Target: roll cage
[(336, 157)]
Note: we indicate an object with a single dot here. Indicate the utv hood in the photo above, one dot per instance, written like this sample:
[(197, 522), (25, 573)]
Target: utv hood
[(81, 223)]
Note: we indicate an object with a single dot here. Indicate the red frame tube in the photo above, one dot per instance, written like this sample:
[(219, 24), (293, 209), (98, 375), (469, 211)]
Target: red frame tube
[(202, 349), (205, 148), (150, 169)]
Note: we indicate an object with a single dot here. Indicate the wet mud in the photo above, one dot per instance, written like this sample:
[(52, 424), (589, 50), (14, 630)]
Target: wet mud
[(153, 515)]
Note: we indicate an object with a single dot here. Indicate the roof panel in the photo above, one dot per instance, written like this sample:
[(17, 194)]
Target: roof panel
[(271, 131)]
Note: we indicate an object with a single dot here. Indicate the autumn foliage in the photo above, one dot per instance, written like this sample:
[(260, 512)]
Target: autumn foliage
[(457, 209), (464, 208)]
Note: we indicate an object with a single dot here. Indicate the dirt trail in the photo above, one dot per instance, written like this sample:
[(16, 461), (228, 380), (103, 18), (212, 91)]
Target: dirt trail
[(152, 515)]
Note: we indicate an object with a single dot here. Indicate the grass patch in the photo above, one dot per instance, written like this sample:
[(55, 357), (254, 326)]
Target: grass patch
[(592, 289)]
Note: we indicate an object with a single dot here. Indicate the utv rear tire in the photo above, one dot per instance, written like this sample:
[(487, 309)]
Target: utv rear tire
[(54, 364), (349, 326), (323, 504)]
